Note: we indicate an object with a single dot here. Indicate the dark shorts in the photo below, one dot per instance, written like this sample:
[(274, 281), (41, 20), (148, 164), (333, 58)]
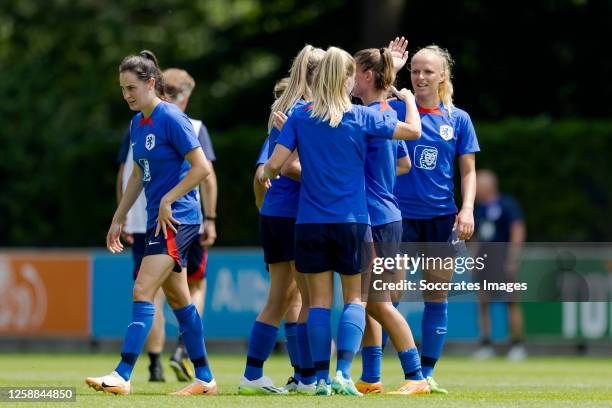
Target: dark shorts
[(277, 238), (343, 247), (436, 229), (196, 261), (138, 250), (387, 239), (177, 245)]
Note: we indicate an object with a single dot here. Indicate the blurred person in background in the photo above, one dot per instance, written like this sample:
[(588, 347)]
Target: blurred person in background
[(499, 223)]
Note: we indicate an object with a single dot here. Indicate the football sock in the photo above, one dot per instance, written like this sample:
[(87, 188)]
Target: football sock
[(142, 319), (261, 343)]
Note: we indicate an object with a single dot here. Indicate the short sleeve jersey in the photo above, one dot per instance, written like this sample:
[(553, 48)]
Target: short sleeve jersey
[(263, 153), (281, 200), (427, 191), (380, 173), (160, 143), (332, 160)]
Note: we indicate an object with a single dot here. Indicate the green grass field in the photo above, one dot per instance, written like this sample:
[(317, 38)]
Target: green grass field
[(538, 382)]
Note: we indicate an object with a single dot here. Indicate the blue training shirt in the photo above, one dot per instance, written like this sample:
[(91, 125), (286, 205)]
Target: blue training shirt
[(427, 191), (332, 160), (380, 173), (494, 220), (263, 153), (160, 144), (282, 198)]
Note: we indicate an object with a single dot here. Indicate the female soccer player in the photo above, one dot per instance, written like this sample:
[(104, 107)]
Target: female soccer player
[(166, 149), (375, 74), (426, 194), (178, 86), (332, 224), (277, 223)]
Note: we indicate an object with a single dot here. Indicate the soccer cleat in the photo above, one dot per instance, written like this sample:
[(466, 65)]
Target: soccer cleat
[(180, 364), (261, 386), (413, 387), (323, 388), (306, 389), (156, 373), (292, 385), (369, 388), (435, 387), (112, 383), (343, 386), (517, 353), (199, 387), (484, 353)]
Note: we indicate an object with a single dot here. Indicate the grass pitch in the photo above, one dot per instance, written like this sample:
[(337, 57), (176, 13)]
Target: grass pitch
[(537, 382)]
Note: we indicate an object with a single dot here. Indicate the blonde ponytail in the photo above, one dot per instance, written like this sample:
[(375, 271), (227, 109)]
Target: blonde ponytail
[(301, 76), (330, 96)]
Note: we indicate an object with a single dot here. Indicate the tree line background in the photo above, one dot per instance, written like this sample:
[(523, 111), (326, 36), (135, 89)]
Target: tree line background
[(539, 99)]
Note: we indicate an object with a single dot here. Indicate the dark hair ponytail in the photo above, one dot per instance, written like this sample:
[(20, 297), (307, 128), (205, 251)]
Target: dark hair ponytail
[(380, 61), (144, 66)]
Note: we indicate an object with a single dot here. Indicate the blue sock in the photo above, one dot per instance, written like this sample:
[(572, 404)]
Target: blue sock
[(319, 335), (433, 326), (350, 333), (371, 361), (190, 327), (137, 332), (261, 343), (307, 371), (385, 336), (292, 348), (411, 364)]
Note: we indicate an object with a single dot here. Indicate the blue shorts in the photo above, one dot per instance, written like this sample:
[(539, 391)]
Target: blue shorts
[(436, 229), (387, 239), (277, 238), (343, 247), (138, 250), (177, 245)]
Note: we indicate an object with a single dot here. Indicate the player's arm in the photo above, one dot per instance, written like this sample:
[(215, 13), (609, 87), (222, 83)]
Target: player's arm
[(208, 193), (292, 167), (259, 189), (410, 129), (403, 165), (465, 218), (200, 168), (119, 184), (274, 164)]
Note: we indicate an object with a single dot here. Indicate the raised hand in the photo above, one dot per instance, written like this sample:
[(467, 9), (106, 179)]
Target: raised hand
[(397, 47)]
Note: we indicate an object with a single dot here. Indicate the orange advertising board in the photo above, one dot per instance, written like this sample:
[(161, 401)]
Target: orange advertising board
[(44, 294)]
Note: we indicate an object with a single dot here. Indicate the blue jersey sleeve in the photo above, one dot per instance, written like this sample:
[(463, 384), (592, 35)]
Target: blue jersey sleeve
[(402, 150), (467, 142), (181, 134), (124, 149), (375, 123), (263, 153), (206, 143), (288, 136)]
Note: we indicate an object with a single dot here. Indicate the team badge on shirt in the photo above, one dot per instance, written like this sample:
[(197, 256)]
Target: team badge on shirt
[(425, 157), (150, 141), (446, 132)]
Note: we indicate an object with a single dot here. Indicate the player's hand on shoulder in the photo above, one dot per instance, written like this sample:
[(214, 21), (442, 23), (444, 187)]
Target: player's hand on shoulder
[(278, 119), (403, 94)]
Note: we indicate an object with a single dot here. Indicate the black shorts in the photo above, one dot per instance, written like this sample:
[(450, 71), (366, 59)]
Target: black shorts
[(196, 261), (343, 247), (138, 250), (277, 238), (177, 245), (387, 239), (436, 229)]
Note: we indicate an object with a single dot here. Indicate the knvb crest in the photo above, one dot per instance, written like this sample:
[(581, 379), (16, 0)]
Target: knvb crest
[(150, 141), (446, 132)]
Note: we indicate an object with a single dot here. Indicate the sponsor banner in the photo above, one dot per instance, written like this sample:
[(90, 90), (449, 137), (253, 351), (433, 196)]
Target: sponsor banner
[(46, 293)]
